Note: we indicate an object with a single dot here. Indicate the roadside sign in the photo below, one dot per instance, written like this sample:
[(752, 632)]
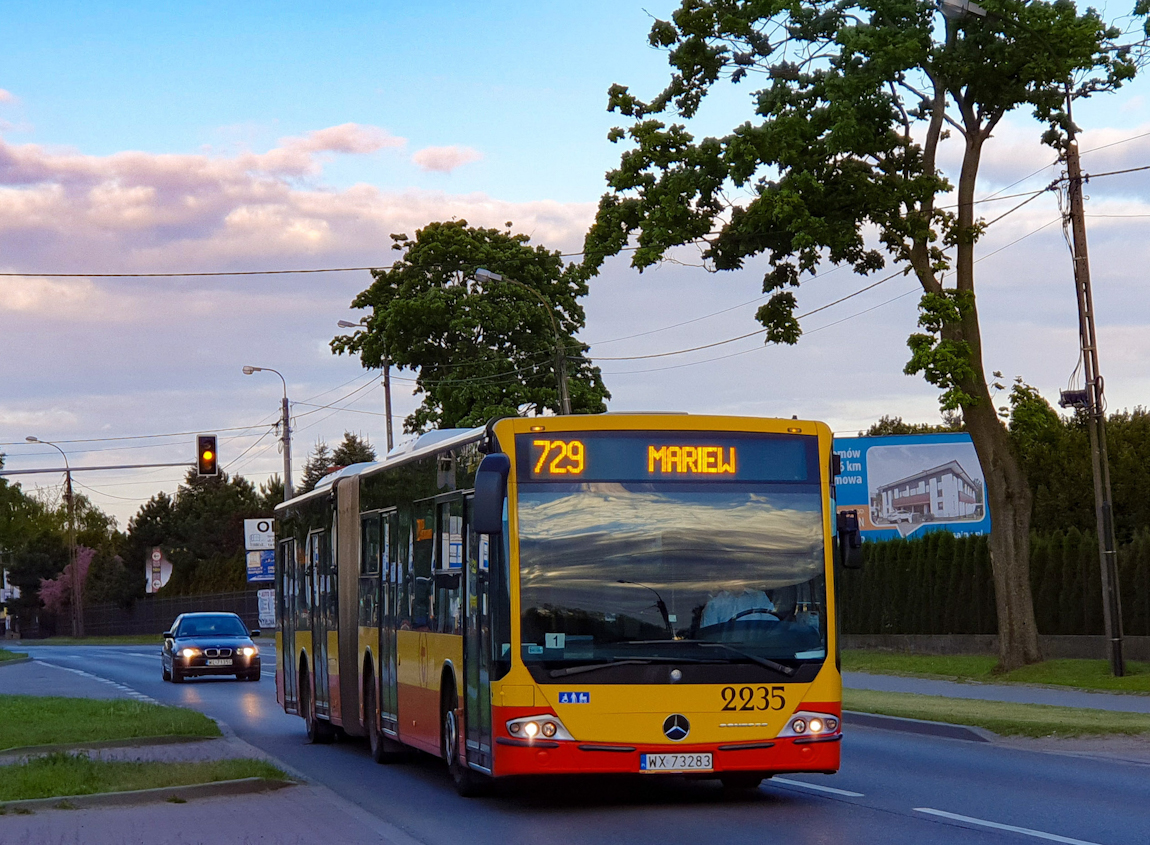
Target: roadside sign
[(259, 534), (262, 565), (267, 606)]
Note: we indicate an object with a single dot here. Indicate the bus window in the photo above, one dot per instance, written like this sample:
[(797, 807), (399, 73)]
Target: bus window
[(369, 547), (422, 554), (403, 544), (449, 567)]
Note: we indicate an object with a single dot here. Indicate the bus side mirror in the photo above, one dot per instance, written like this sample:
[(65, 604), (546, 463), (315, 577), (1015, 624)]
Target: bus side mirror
[(850, 540), (490, 491)]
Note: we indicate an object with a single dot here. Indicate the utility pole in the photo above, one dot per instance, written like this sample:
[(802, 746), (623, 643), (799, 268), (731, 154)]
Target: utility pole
[(1095, 409), (387, 399), (286, 423)]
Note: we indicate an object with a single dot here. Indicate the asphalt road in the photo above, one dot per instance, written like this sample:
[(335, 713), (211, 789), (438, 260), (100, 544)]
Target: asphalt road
[(893, 787)]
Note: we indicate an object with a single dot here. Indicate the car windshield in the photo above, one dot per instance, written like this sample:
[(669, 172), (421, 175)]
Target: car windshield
[(212, 626), (708, 573)]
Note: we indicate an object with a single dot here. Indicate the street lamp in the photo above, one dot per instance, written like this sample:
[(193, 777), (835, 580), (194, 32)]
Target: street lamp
[(1090, 400), (346, 324), (285, 423), (560, 353), (77, 594)]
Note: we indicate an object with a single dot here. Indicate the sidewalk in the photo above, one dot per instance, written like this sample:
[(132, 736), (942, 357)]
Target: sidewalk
[(1020, 693)]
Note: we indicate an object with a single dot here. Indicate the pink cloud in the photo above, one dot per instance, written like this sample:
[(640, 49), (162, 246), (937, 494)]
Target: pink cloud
[(7, 96), (445, 159), (64, 211)]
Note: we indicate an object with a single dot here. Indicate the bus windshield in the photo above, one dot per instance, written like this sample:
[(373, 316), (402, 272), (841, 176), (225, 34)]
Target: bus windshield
[(685, 572)]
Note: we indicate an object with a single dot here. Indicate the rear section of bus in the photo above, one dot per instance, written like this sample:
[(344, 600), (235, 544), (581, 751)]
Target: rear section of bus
[(669, 594)]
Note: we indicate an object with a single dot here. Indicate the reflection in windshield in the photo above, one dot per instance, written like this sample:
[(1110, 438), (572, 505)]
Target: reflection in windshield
[(611, 572)]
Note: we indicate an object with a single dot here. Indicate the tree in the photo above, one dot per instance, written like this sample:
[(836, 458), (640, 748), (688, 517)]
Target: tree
[(319, 463), (840, 164), (271, 494), (353, 450), (951, 422), (482, 348)]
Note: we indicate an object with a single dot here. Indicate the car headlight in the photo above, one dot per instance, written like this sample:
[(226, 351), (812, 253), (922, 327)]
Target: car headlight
[(249, 651), (189, 653)]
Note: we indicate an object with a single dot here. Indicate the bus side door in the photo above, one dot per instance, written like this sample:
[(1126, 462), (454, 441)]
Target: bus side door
[(287, 575), (477, 648), (319, 563), (389, 622)]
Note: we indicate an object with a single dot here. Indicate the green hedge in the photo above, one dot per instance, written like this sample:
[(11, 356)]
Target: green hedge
[(942, 584)]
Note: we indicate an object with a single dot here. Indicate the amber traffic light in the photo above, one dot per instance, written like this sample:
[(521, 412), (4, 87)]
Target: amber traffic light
[(207, 458)]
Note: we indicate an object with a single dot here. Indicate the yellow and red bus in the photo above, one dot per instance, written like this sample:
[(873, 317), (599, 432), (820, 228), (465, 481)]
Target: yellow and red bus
[(615, 593)]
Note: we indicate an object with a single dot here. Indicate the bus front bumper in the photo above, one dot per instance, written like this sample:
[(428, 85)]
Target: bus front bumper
[(777, 756)]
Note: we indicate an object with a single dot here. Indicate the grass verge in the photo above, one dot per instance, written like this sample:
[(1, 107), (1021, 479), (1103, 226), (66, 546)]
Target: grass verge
[(10, 655), (1080, 674), (1003, 717), (77, 774), (33, 720), (124, 639)]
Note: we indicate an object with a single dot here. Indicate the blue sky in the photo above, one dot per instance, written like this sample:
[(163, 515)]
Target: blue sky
[(155, 137)]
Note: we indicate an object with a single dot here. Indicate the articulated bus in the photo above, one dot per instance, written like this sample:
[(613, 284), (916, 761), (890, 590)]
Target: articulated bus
[(583, 594)]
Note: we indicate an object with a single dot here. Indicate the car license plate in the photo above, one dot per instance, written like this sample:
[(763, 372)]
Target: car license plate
[(675, 763), (219, 661)]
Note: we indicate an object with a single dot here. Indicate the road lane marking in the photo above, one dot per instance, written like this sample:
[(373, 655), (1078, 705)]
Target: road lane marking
[(817, 788), (128, 691), (1026, 831)]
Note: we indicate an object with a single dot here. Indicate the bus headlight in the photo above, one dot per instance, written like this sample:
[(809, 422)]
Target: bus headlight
[(810, 724), (530, 727)]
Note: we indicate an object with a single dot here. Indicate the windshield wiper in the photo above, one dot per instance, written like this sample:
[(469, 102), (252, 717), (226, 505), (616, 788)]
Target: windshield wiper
[(623, 661), (789, 671)]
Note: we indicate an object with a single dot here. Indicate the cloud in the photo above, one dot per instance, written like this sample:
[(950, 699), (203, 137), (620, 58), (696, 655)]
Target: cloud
[(445, 159), (7, 96), (64, 211)]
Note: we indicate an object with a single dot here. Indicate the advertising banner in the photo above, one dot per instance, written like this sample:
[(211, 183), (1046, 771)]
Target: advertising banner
[(262, 566), (259, 534), (267, 607), (909, 485)]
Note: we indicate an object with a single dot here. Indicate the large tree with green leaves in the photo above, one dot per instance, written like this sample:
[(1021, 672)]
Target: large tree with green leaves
[(481, 348), (839, 163)]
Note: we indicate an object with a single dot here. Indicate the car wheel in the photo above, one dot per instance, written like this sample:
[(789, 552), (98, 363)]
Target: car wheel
[(253, 674)]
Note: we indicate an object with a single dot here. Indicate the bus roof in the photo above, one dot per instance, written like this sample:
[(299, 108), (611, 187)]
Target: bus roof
[(413, 449)]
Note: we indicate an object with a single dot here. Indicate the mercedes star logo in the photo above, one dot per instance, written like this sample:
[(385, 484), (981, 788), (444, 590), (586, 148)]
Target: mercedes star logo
[(676, 727)]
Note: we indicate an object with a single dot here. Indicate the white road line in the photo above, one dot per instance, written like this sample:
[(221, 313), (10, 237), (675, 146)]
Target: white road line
[(817, 788), (128, 691), (1026, 831)]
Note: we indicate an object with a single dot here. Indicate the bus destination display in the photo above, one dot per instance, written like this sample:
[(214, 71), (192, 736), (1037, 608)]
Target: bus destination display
[(641, 456)]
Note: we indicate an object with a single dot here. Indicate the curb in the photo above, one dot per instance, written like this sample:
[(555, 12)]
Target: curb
[(129, 742), (918, 726), (243, 786), (24, 658)]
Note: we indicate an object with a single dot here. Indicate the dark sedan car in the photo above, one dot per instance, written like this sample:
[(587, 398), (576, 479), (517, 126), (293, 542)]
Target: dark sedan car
[(210, 644)]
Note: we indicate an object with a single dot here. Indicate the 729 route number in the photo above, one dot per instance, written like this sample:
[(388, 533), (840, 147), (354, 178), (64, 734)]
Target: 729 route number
[(753, 698)]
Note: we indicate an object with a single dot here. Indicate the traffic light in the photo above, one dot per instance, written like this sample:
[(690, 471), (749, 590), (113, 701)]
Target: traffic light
[(207, 458)]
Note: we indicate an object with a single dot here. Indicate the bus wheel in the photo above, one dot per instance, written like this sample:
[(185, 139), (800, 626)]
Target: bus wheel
[(318, 732), (468, 783), (741, 780)]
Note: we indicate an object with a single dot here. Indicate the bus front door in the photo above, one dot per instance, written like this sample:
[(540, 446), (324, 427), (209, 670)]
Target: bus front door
[(477, 650)]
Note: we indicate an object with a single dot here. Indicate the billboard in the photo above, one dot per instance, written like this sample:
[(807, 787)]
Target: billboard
[(909, 485)]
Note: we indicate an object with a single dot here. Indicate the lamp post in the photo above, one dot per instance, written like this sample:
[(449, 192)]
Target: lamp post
[(285, 422), (77, 587), (560, 353), (346, 324), (1089, 400)]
